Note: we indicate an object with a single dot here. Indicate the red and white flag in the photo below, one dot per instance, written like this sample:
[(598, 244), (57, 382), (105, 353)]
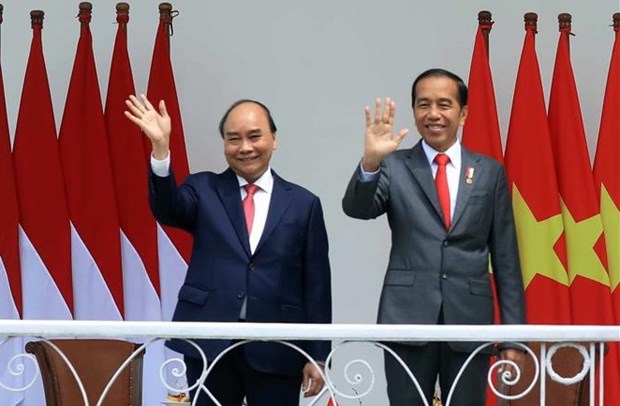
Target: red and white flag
[(138, 228), (45, 233), (85, 157), (45, 249), (10, 277), (174, 244)]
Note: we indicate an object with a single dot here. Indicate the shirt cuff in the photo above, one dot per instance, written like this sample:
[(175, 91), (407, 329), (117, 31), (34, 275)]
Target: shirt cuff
[(161, 168), (367, 176)]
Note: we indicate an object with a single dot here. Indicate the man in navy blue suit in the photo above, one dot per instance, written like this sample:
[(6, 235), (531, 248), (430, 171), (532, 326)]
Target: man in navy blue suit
[(267, 263)]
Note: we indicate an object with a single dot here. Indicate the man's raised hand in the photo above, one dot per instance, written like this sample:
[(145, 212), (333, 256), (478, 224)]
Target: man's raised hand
[(380, 140), (154, 124)]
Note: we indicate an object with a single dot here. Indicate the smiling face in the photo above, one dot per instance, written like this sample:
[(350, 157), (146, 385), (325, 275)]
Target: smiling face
[(248, 141), (437, 111)]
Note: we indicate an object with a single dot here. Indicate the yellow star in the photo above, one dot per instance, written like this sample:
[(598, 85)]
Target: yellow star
[(536, 240), (580, 240), (610, 214)]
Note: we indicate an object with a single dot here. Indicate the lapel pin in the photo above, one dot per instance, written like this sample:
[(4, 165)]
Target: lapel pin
[(469, 175)]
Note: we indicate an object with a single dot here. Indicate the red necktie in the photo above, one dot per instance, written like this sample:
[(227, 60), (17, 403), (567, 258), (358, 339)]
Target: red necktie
[(248, 205), (441, 183)]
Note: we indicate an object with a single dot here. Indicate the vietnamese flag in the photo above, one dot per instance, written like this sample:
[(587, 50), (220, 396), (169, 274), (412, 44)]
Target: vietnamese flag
[(535, 195), (481, 130), (607, 169), (585, 242)]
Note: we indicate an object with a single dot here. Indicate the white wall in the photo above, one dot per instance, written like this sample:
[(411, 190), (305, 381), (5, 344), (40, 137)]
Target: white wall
[(316, 64)]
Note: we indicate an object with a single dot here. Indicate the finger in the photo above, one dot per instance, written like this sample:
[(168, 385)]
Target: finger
[(136, 103), (386, 111), (377, 111), (147, 103), (162, 108), (390, 119), (134, 106), (367, 115), (132, 118), (401, 134)]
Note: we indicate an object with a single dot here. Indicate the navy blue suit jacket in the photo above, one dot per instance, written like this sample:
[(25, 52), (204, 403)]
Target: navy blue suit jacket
[(286, 280)]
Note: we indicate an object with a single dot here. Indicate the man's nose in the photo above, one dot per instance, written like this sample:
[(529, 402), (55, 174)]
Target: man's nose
[(433, 112), (246, 145)]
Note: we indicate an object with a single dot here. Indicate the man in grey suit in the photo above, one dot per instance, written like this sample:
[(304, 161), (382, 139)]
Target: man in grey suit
[(439, 260)]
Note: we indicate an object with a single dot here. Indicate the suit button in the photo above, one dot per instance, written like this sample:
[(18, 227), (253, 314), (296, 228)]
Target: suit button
[(444, 276), (241, 295), (251, 266), (445, 243)]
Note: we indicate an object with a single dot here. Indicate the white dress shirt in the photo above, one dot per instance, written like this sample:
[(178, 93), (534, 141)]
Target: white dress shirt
[(262, 197)]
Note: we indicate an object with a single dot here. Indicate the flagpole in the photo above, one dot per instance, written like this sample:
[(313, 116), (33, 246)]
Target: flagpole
[(165, 15), (564, 25), (1, 20), (485, 21), (531, 20)]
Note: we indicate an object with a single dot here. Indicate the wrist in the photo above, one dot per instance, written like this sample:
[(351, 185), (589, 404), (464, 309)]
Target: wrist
[(370, 164)]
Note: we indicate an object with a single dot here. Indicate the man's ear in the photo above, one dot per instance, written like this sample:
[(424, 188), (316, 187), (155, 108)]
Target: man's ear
[(463, 116)]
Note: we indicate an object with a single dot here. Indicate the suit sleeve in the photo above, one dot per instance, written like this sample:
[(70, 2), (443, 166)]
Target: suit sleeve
[(505, 256), (171, 205), (317, 279), (367, 199)]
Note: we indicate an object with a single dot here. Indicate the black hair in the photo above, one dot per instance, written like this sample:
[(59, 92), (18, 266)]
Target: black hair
[(438, 72), (272, 124)]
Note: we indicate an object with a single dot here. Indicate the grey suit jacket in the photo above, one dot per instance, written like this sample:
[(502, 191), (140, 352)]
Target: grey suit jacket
[(431, 267)]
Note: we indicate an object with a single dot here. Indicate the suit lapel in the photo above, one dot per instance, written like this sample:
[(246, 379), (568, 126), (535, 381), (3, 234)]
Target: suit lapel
[(228, 190), (470, 162), (421, 170), (280, 200)]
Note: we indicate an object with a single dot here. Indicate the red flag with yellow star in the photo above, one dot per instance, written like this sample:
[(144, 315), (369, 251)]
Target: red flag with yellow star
[(585, 242), (535, 195), (606, 169)]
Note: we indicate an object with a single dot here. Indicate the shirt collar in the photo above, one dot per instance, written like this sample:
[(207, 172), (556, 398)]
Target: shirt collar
[(265, 182), (454, 153)]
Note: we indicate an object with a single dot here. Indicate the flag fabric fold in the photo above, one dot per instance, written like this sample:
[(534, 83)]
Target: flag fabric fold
[(87, 171), (585, 243)]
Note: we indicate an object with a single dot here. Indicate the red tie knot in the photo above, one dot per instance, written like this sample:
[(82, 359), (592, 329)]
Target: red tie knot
[(442, 159), (250, 189)]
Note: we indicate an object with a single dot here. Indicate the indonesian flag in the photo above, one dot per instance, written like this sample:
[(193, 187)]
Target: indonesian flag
[(10, 282), (45, 236), (138, 227), (174, 244), (95, 237), (535, 196), (587, 260), (607, 172)]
